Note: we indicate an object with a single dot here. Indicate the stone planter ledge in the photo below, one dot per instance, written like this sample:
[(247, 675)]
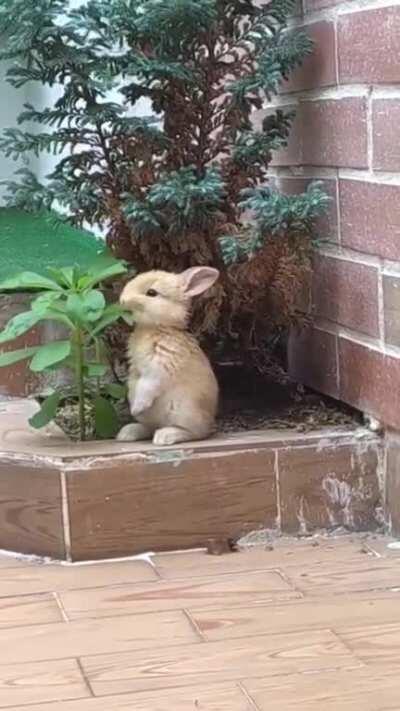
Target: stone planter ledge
[(96, 500)]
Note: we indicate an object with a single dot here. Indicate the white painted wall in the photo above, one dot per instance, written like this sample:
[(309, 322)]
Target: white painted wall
[(11, 104)]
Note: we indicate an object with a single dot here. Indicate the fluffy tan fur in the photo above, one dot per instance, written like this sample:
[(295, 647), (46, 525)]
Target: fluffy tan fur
[(173, 392)]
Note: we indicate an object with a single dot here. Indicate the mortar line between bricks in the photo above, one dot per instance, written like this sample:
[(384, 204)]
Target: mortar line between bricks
[(370, 132), (335, 93), (381, 308), (336, 50), (343, 9), (338, 373), (338, 211), (361, 175), (347, 254), (359, 338)]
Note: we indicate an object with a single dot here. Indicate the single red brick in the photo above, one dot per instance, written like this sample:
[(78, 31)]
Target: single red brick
[(368, 46), (370, 217), (312, 360), (370, 381), (346, 293), (319, 68), (326, 227), (330, 133), (335, 133), (386, 134)]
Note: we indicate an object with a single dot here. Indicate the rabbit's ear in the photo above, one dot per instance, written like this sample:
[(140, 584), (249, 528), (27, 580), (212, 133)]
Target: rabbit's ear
[(196, 280)]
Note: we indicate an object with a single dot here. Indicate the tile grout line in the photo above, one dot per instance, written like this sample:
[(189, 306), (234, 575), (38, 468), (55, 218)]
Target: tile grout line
[(65, 515), (85, 678), (347, 646), (35, 704), (330, 670), (61, 607), (278, 492), (247, 695), (194, 625)]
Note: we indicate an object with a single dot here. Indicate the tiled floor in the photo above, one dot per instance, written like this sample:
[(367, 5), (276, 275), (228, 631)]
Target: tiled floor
[(310, 625)]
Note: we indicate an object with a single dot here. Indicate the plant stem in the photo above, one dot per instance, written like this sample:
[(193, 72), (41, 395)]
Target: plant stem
[(80, 385), (98, 360)]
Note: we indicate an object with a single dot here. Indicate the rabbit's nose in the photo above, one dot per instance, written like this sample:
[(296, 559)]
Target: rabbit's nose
[(125, 298)]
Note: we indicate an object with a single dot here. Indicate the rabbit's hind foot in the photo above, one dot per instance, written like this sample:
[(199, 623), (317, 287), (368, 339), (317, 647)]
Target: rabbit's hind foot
[(134, 432)]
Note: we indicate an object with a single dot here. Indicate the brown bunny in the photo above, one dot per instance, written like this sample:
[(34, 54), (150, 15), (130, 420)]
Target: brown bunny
[(173, 392)]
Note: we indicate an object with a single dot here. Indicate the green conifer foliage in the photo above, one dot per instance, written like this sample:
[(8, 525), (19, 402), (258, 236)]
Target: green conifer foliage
[(175, 187)]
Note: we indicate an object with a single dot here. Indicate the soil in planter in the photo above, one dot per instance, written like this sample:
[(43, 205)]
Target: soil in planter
[(249, 402)]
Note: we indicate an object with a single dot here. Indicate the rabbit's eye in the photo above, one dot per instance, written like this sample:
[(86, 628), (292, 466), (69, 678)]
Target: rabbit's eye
[(151, 292)]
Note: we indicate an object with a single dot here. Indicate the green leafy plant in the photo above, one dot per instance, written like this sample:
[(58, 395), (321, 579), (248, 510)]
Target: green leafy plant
[(173, 188), (71, 298)]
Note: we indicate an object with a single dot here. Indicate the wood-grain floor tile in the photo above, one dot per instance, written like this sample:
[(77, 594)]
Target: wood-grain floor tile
[(52, 681), (213, 697), (228, 590), (357, 609), (284, 552), (36, 578), (57, 641), (370, 575), (28, 610), (216, 661), (7, 561), (375, 644), (362, 689)]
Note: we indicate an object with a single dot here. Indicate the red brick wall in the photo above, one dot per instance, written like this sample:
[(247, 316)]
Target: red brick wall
[(347, 133)]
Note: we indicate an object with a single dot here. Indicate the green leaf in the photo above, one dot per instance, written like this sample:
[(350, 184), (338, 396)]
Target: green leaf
[(11, 357), (44, 301), (103, 268), (47, 411), (86, 307), (57, 314), (29, 280), (106, 418), (50, 354), (96, 370), (110, 314), (65, 276), (21, 323), (116, 391)]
